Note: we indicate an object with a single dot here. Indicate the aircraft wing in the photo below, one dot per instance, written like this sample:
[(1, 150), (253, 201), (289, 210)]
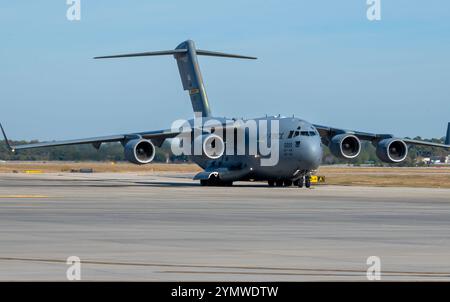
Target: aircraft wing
[(157, 137), (328, 132), (424, 143)]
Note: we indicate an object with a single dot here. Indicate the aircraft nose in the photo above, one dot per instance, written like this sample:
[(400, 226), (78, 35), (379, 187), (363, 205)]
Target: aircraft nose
[(310, 154)]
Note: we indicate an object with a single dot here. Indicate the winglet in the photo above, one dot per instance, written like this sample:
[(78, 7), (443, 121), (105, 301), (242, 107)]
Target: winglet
[(447, 138), (6, 139)]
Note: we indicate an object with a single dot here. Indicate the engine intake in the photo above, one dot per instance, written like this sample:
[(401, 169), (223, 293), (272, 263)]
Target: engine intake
[(139, 151), (392, 150), (345, 146), (213, 146)]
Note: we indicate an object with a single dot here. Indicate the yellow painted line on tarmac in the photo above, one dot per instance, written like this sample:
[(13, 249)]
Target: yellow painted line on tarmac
[(33, 171), (24, 196)]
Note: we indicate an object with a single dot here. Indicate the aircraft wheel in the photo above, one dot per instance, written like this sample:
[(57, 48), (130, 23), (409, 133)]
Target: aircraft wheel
[(279, 183), (214, 181), (308, 182), (300, 182), (271, 183), (287, 183)]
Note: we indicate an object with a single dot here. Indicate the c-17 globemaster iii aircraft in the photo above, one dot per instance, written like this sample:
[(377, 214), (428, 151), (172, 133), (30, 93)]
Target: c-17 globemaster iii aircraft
[(295, 144)]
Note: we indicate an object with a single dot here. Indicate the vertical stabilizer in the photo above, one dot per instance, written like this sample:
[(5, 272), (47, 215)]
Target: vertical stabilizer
[(191, 78), (447, 137)]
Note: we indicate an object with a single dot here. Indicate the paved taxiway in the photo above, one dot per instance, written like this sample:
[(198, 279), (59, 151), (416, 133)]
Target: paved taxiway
[(166, 227)]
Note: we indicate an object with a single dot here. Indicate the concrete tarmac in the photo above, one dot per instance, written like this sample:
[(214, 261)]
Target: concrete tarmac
[(166, 227)]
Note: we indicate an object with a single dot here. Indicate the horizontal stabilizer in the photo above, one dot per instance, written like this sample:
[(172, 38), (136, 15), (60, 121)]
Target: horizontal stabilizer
[(186, 56), (222, 54), (145, 54), (178, 51)]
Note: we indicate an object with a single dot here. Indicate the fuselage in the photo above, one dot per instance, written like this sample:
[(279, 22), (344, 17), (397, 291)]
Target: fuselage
[(298, 148)]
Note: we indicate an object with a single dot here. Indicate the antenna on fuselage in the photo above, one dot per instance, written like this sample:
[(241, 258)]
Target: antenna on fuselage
[(191, 78)]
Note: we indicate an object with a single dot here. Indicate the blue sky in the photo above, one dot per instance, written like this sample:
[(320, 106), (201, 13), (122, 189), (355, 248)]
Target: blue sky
[(320, 60)]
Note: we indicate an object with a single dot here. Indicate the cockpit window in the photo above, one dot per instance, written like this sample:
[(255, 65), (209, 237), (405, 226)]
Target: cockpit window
[(290, 134), (293, 133), (308, 133)]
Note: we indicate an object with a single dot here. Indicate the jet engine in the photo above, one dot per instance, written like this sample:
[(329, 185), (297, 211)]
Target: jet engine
[(345, 146), (392, 150), (139, 151), (213, 145)]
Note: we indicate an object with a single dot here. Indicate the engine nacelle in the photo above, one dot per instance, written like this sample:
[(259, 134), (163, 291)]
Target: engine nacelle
[(139, 151), (213, 146), (392, 150), (345, 146)]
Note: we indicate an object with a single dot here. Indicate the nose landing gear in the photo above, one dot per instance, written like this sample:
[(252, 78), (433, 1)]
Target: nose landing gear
[(308, 181), (303, 181)]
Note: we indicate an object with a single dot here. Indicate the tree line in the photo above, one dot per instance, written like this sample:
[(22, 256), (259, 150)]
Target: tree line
[(114, 152)]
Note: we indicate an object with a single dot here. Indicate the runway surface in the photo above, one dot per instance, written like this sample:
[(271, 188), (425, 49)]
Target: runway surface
[(165, 227)]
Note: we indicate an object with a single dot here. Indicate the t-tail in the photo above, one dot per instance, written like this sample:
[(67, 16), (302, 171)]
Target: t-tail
[(191, 77)]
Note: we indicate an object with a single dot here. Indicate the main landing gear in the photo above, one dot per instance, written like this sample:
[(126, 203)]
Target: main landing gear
[(301, 182), (279, 183), (215, 182)]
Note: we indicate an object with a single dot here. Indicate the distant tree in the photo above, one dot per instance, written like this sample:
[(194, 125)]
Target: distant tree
[(114, 152)]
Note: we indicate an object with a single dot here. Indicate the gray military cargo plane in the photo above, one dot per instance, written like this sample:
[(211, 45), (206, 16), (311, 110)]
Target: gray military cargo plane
[(299, 142)]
